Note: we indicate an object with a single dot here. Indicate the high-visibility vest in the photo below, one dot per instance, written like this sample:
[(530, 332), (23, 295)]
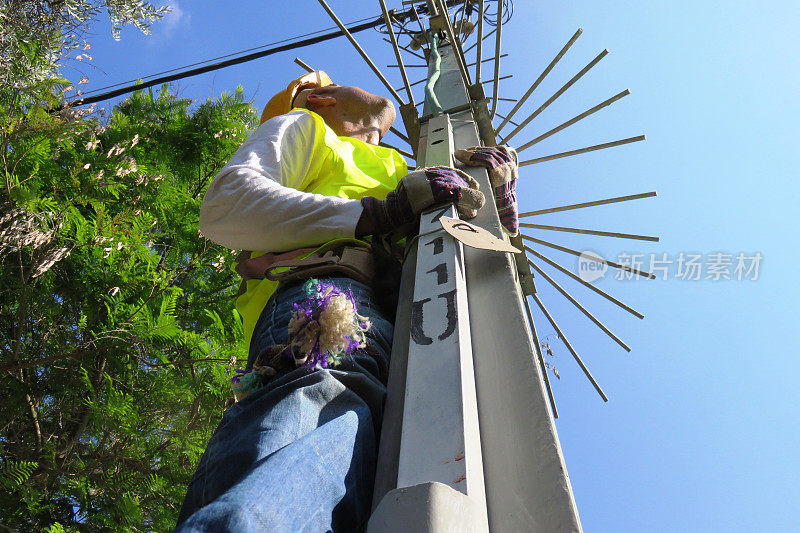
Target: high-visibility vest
[(338, 166)]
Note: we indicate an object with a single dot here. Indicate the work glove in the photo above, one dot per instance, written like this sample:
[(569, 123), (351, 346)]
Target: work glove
[(502, 163), (419, 190)]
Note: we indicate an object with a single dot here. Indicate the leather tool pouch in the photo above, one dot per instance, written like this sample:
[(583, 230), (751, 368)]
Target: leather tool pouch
[(353, 262), (348, 257)]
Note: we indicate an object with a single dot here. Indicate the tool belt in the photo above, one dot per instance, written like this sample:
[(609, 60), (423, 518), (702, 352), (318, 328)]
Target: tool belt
[(347, 257)]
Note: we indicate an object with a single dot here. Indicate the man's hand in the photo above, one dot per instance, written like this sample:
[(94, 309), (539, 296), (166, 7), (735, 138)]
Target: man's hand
[(502, 163), (417, 191)]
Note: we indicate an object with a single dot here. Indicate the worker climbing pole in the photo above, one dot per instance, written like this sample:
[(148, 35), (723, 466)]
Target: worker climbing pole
[(353, 411), (467, 440)]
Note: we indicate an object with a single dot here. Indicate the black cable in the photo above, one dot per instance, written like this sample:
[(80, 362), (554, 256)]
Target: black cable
[(401, 16), (217, 66), (402, 19), (99, 89), (491, 16)]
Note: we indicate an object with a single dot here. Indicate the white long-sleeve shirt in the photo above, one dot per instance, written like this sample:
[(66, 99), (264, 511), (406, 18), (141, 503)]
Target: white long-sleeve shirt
[(293, 184), (254, 202)]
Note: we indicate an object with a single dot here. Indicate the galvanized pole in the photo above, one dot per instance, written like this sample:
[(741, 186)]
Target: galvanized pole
[(468, 441)]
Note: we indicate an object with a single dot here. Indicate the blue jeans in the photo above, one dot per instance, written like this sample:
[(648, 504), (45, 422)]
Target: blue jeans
[(298, 454)]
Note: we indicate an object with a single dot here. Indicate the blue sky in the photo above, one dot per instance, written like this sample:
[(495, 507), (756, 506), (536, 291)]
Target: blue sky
[(701, 430)]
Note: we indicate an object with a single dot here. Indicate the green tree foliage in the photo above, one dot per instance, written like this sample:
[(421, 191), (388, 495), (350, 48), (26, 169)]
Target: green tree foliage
[(35, 35), (117, 327)]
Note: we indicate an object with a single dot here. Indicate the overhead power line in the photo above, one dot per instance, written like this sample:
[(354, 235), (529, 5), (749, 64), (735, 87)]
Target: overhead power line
[(223, 64), (396, 15), (212, 59), (220, 65)]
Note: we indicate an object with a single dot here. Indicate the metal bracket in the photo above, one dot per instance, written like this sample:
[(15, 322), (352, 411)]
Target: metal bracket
[(526, 282), (481, 114), (410, 116), (437, 23)]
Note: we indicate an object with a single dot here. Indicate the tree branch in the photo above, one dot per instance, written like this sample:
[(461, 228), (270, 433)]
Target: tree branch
[(37, 428), (13, 366), (86, 411)]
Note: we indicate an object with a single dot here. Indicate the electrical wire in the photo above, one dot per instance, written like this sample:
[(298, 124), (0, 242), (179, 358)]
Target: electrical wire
[(216, 66), (463, 11), (490, 17), (400, 20), (93, 91), (376, 22)]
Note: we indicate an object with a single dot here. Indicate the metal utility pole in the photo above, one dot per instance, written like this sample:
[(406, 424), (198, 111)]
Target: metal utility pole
[(468, 440), (469, 443)]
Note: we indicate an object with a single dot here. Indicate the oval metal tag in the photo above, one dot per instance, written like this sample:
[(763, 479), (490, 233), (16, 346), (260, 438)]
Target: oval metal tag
[(475, 236)]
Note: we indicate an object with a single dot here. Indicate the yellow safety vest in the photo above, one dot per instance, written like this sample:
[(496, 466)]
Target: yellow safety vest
[(338, 166)]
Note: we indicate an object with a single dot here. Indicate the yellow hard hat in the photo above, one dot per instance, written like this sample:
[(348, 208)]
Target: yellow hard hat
[(281, 103)]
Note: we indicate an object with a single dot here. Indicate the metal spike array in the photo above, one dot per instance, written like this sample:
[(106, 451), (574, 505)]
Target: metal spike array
[(458, 33)]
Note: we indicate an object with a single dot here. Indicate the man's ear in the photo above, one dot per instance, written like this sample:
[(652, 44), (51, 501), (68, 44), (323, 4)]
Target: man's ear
[(318, 101)]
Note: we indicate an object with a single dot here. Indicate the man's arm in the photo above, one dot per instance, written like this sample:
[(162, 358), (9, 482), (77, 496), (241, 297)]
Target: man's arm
[(253, 203)]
